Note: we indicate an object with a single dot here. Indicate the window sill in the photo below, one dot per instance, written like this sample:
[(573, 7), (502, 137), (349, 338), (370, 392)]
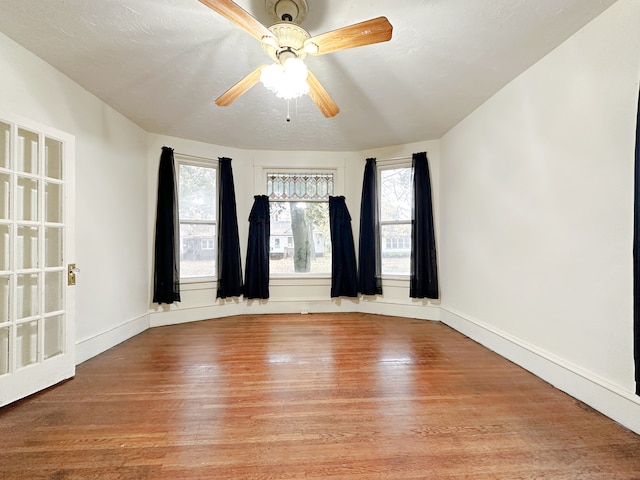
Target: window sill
[(302, 279), (395, 280), (293, 276), (199, 283), (395, 277)]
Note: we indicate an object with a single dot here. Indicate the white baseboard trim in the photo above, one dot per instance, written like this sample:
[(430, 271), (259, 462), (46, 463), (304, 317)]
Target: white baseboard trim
[(610, 400), (419, 309), (92, 346), (176, 315)]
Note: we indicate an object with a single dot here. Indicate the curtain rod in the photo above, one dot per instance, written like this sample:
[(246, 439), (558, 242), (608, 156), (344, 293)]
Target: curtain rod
[(395, 159), (192, 157)]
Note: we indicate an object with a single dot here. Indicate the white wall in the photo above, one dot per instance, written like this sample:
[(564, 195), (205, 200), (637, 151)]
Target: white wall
[(111, 196), (310, 294), (537, 216)]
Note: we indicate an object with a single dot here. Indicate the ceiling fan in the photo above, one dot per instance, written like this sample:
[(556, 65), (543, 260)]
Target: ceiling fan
[(286, 40)]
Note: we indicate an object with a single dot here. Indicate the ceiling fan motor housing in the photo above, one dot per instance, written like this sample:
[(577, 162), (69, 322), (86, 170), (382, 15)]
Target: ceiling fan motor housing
[(294, 11), (290, 39)]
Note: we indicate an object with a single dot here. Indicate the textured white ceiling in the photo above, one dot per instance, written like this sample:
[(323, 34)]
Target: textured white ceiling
[(162, 63)]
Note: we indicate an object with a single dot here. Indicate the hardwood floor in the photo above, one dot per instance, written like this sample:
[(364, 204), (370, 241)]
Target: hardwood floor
[(321, 396)]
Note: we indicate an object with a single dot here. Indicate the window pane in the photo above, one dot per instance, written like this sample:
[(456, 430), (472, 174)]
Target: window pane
[(396, 249), (395, 194), (299, 186), (197, 187), (300, 239), (198, 250)]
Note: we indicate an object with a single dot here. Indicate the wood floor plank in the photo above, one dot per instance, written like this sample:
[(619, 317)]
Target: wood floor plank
[(321, 396)]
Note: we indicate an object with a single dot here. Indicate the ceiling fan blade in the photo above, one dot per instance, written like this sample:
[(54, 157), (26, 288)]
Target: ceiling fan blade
[(236, 14), (371, 31), (228, 97), (321, 98)]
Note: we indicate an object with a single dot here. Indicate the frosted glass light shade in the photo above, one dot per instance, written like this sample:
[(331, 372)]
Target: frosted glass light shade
[(287, 81)]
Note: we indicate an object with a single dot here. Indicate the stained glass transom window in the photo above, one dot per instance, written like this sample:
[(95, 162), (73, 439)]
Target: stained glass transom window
[(299, 186)]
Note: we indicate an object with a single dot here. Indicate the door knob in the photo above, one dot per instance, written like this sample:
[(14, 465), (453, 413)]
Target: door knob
[(71, 274)]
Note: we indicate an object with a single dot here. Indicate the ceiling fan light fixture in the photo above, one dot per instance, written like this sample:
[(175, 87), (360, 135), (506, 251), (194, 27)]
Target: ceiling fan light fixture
[(288, 80), (286, 42)]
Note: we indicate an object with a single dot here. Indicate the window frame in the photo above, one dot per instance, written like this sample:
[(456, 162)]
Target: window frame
[(182, 159), (266, 171), (381, 167)]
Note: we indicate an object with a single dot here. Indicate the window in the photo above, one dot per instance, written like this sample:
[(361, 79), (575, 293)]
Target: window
[(207, 244), (395, 219), (300, 237), (197, 202)]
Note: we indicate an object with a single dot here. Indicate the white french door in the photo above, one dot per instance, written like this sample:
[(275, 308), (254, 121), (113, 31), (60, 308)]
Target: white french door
[(36, 241)]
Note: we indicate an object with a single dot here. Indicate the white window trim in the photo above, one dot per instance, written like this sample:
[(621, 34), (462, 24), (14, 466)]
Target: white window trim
[(392, 164), (184, 159), (261, 177)]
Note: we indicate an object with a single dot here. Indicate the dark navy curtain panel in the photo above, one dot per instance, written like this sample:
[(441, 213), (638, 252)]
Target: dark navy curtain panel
[(369, 276), (229, 264), (256, 279), (344, 277), (166, 272), (424, 269), (636, 256)]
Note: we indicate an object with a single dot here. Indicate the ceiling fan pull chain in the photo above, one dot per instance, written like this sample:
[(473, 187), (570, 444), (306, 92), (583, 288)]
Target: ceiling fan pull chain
[(288, 116)]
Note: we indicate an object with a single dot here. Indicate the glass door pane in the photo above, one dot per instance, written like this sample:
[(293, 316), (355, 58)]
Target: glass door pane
[(53, 336), (26, 344), (27, 248), (4, 350), (53, 158), (27, 154), (27, 296), (5, 196), (5, 248), (53, 202), (53, 291), (4, 298), (27, 199), (5, 142), (53, 247)]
